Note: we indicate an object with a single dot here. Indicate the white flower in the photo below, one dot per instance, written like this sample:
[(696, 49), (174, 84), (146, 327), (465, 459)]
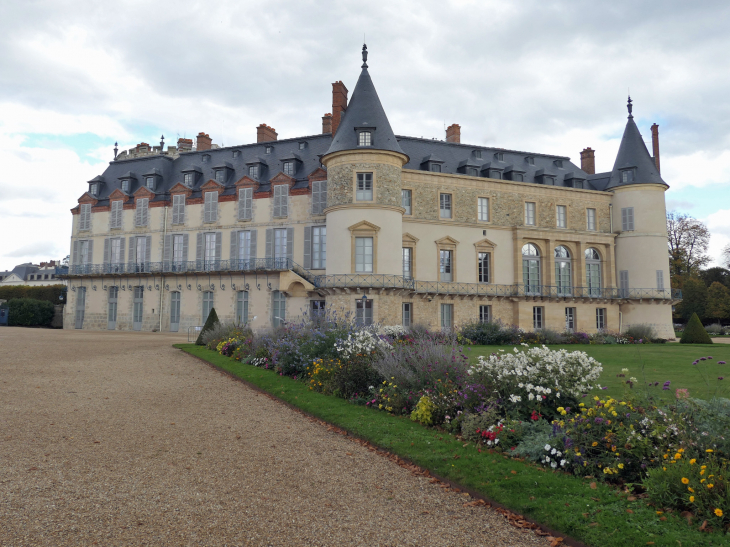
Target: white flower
[(558, 453), (624, 370), (520, 385), (547, 447), (562, 463), (531, 397), (515, 398), (552, 452), (553, 465)]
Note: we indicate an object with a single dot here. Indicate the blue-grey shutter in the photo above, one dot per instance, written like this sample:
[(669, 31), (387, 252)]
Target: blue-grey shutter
[(91, 251), (308, 247), (315, 197), (106, 251), (248, 207), (218, 245), (176, 209), (185, 248), (167, 252), (284, 201), (630, 218), (322, 196), (214, 207), (138, 213), (269, 243), (75, 253), (277, 202), (234, 245), (148, 250), (199, 247), (290, 243), (132, 249), (253, 243), (121, 249)]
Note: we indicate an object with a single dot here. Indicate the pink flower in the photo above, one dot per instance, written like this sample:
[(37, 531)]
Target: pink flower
[(682, 394)]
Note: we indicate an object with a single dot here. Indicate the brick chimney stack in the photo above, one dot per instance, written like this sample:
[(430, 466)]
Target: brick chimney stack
[(339, 104), (184, 145), (327, 123), (588, 160), (453, 133), (203, 141), (264, 133), (655, 145)]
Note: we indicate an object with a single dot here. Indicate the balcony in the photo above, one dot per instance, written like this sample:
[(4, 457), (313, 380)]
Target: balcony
[(184, 267)]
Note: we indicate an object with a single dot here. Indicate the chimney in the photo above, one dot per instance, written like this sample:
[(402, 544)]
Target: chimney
[(588, 161), (184, 145), (453, 133), (264, 133), (327, 123), (204, 141), (339, 104), (655, 145)]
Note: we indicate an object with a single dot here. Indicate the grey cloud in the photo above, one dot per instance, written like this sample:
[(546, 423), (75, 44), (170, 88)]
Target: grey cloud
[(39, 248)]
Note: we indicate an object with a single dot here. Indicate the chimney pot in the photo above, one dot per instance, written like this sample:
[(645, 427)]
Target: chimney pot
[(327, 123), (203, 141), (339, 104), (588, 161), (655, 145), (264, 133), (453, 133)]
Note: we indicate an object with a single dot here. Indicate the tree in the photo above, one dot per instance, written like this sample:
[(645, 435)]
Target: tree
[(694, 299), (718, 302), (210, 323), (688, 239), (716, 275), (726, 255), (694, 332)]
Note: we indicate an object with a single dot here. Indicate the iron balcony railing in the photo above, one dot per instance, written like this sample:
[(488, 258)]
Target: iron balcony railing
[(190, 266), (376, 281)]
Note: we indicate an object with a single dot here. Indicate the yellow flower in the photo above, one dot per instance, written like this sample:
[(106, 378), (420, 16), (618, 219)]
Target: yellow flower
[(710, 450), (702, 480), (681, 450), (692, 461), (690, 489), (594, 443), (659, 512), (691, 499), (685, 480), (620, 466), (718, 512), (664, 468), (702, 472), (665, 456), (710, 485), (677, 456)]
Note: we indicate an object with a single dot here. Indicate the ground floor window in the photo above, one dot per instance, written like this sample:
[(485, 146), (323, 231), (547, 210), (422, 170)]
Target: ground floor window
[(569, 319), (278, 308), (538, 312), (600, 318), (174, 311), (485, 314), (112, 312), (318, 308), (364, 312), (407, 314), (447, 316), (242, 308), (80, 306), (207, 305)]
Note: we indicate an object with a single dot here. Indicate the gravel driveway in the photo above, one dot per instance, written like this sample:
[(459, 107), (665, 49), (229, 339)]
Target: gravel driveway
[(119, 439)]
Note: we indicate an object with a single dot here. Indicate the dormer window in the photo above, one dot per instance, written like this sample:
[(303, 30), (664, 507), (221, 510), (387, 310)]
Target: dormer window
[(206, 158), (220, 175), (188, 179), (289, 168), (364, 138), (577, 183), (550, 181), (530, 160), (125, 186), (236, 153), (495, 174), (150, 183), (436, 167), (627, 176), (253, 172), (558, 164), (268, 150), (472, 172), (93, 188), (478, 154), (499, 156), (302, 145)]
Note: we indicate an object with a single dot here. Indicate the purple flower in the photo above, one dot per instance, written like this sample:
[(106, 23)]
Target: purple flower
[(721, 362), (604, 388), (665, 387), (694, 363), (721, 378)]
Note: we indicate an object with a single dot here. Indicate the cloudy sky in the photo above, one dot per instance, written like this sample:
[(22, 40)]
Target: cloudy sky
[(542, 76)]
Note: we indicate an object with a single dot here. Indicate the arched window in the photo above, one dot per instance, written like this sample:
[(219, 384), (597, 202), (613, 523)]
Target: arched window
[(593, 272), (563, 280), (531, 268)]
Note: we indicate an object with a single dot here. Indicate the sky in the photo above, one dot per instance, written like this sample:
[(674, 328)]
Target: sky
[(541, 76)]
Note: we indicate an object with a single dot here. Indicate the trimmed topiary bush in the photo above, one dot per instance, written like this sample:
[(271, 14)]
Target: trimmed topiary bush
[(695, 333), (211, 322), (28, 312)]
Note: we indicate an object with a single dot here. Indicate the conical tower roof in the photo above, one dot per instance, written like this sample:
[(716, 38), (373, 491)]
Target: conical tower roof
[(364, 112), (633, 154)]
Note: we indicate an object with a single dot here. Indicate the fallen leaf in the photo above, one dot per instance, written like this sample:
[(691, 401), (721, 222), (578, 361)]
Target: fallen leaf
[(593, 524), (513, 472), (554, 542), (629, 511), (593, 486), (662, 518), (631, 498), (348, 453)]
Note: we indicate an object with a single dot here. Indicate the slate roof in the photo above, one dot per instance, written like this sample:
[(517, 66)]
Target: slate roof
[(633, 153)]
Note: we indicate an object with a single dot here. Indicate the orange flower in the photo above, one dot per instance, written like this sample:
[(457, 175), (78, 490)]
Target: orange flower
[(685, 480), (718, 512)]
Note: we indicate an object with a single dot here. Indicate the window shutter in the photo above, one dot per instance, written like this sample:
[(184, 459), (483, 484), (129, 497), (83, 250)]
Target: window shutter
[(112, 215), (218, 245), (284, 200), (106, 251), (176, 209), (214, 207), (315, 197), (234, 245), (185, 248), (277, 202), (624, 219), (660, 280), (167, 253), (208, 206), (181, 210), (269, 243), (132, 249), (253, 244), (245, 204), (199, 247), (121, 249), (75, 253), (148, 250), (290, 243), (308, 247), (91, 252), (630, 218), (145, 209)]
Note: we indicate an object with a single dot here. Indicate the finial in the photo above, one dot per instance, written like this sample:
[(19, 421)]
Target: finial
[(630, 107), (115, 150), (162, 143), (364, 56)]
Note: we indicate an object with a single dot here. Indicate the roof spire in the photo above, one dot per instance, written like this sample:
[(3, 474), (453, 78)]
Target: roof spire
[(364, 56), (630, 107), (115, 150)]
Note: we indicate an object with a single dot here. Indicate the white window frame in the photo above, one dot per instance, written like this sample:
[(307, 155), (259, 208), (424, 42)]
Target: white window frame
[(591, 219), (364, 187), (406, 199), (446, 265), (530, 213), (287, 168), (364, 254), (280, 243), (253, 172), (244, 245), (208, 304), (188, 179), (209, 245), (365, 138), (627, 219), (178, 245), (561, 216), (570, 319), (445, 205), (601, 318), (319, 247), (278, 308), (242, 307), (407, 314), (538, 317), (149, 182), (483, 267), (407, 262), (485, 313), (483, 210), (220, 175), (447, 316), (364, 312)]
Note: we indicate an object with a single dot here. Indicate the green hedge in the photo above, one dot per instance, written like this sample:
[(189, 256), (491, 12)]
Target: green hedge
[(694, 332), (27, 312), (49, 293)]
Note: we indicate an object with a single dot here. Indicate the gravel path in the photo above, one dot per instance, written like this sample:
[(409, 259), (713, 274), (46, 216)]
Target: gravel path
[(119, 439)]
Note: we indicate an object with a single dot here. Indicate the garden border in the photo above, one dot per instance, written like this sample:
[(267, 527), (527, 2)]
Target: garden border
[(510, 515)]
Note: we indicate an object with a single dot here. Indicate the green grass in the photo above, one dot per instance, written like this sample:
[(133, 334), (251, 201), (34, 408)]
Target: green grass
[(563, 502), (649, 363)]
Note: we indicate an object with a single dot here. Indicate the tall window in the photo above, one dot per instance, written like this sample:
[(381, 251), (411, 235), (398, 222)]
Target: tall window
[(660, 280), (364, 138), (115, 216), (531, 268), (600, 318), (112, 312), (140, 218), (319, 196), (245, 203), (406, 200), (178, 209), (407, 314), (211, 207), (562, 271), (319, 247), (188, 179), (207, 304), (84, 252), (561, 216), (483, 267), (447, 316), (364, 187), (364, 312), (280, 245), (253, 172), (446, 265), (364, 254), (289, 168), (174, 311), (242, 308), (116, 255), (445, 205), (178, 244), (281, 196), (140, 253), (623, 283), (627, 219), (138, 308), (537, 317), (125, 186), (319, 308), (407, 263), (484, 209), (150, 183), (80, 307), (529, 213), (244, 247), (593, 272), (278, 308), (591, 219), (209, 251), (485, 314), (85, 217), (569, 319)]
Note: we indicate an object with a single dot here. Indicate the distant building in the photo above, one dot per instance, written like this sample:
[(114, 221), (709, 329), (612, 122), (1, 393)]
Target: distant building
[(394, 229), (45, 273)]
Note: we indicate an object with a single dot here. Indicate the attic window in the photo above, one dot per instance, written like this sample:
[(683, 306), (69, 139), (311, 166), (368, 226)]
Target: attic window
[(188, 179), (627, 175), (577, 183), (206, 158), (499, 156), (289, 168), (478, 154), (125, 186), (558, 164), (364, 138), (302, 145), (436, 167), (150, 182), (550, 181), (253, 171), (494, 174), (236, 153), (220, 175), (267, 150), (93, 188), (472, 172), (530, 160)]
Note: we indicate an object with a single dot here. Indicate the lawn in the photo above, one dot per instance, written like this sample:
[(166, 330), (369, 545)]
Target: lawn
[(578, 506), (649, 363)]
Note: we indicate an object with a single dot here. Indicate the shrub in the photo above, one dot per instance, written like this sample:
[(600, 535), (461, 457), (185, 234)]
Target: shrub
[(535, 436), (641, 331), (209, 324), (695, 333), (27, 312), (424, 411), (49, 293), (715, 328), (491, 333)]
